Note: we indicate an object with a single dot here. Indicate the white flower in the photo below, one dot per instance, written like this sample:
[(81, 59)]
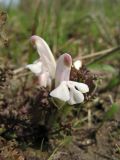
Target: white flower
[(45, 67), (67, 91), (70, 91), (77, 64), (46, 70)]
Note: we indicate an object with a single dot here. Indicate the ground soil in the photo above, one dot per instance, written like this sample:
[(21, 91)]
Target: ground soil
[(99, 140)]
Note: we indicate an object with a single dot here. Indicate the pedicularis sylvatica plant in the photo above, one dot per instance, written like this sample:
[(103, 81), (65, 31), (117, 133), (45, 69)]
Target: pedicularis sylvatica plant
[(56, 74), (63, 87), (51, 107)]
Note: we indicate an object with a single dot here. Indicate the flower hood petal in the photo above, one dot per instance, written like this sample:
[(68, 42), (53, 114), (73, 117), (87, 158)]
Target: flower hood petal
[(63, 68), (45, 53)]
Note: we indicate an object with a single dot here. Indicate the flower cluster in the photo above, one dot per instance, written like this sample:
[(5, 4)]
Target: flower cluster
[(49, 71)]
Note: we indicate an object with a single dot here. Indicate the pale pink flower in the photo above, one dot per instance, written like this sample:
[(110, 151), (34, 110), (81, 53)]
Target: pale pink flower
[(77, 64), (47, 71), (45, 67), (66, 90)]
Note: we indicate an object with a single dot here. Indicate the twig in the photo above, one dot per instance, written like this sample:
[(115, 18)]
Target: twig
[(16, 71), (111, 99), (108, 53), (89, 118), (22, 75), (100, 53), (85, 119)]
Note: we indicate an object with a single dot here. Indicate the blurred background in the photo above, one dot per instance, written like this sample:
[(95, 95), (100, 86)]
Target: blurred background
[(74, 26)]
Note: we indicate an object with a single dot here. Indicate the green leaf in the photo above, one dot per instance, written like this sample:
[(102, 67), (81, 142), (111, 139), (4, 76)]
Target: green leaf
[(103, 67), (113, 82), (111, 112)]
